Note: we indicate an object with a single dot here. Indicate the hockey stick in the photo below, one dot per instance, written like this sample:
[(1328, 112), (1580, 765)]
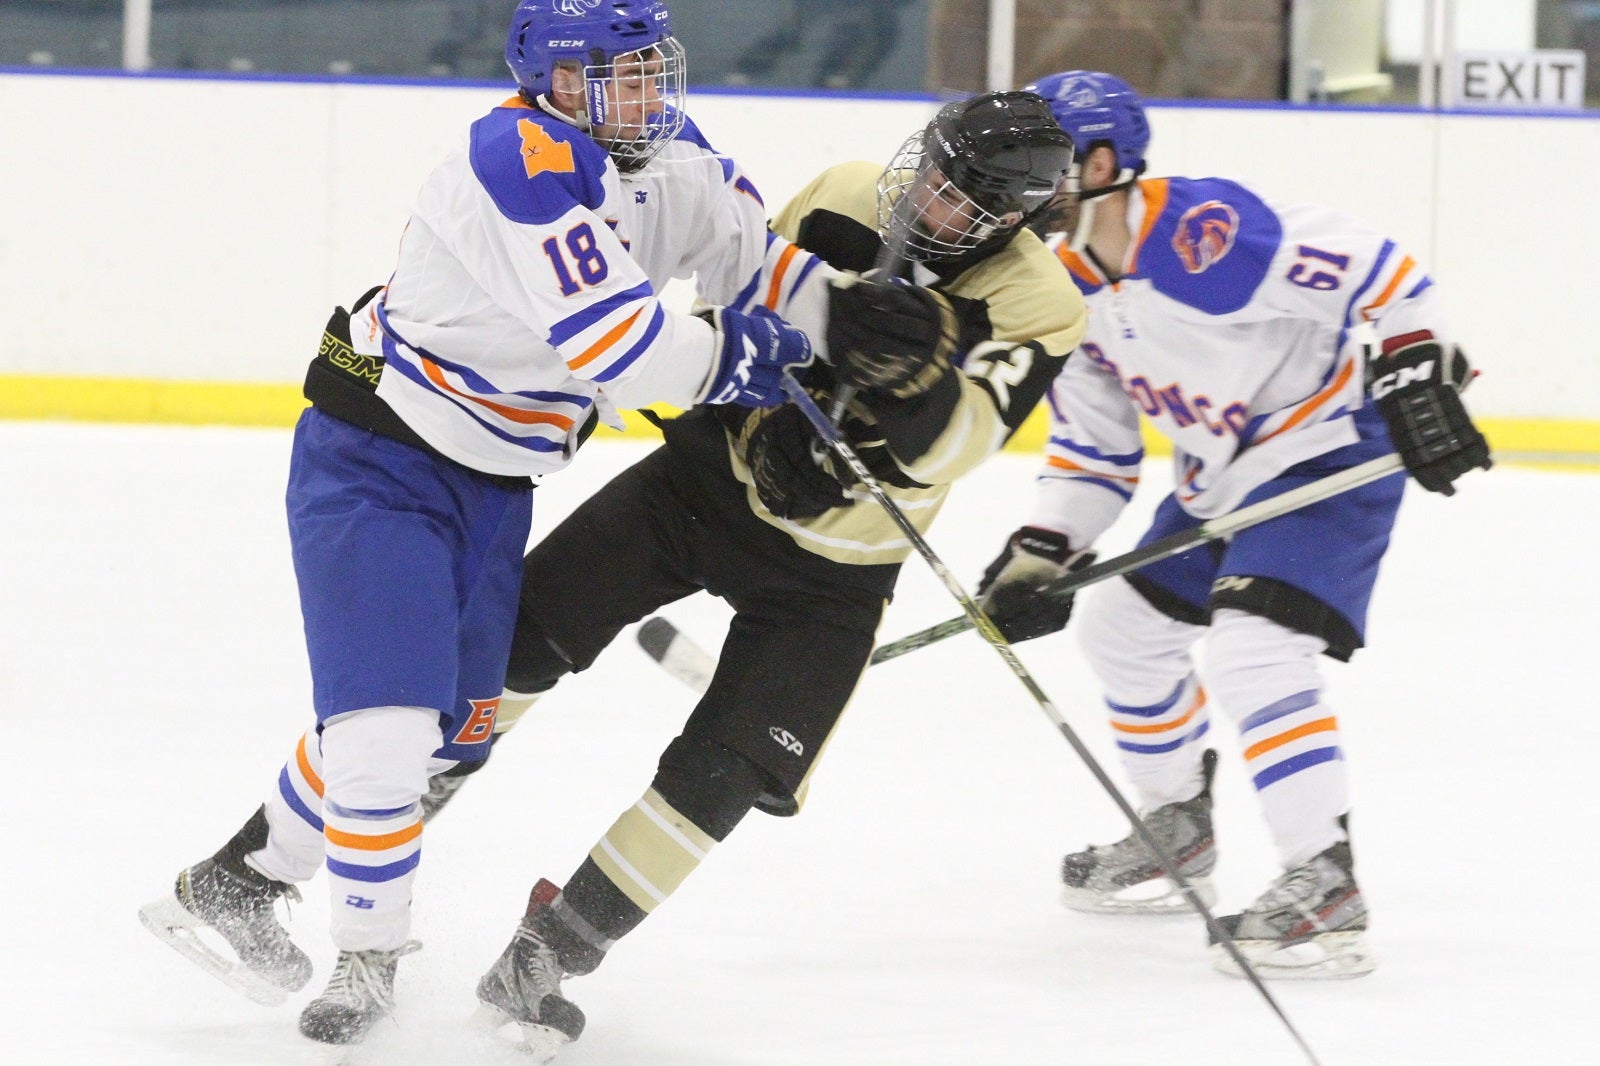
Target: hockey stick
[(679, 655), (993, 637), (1168, 546)]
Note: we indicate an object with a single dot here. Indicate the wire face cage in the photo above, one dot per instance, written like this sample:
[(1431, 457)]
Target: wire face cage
[(636, 101), (922, 210)]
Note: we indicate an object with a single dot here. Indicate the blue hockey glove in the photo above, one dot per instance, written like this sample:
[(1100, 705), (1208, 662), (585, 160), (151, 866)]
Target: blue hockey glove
[(1012, 590), (1417, 389), (756, 349)]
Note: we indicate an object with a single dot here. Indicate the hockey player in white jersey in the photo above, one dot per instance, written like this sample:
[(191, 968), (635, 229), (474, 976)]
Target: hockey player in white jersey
[(515, 319), (1272, 345)]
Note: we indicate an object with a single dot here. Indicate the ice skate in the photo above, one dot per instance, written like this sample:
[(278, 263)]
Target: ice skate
[(1311, 923), (360, 992), (228, 896), (1127, 878), (524, 985)]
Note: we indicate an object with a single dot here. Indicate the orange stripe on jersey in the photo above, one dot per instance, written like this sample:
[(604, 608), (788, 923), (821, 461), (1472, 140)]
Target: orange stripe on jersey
[(1155, 192), (777, 276), (598, 347), (370, 842), (510, 414), (301, 760), (517, 101), (1305, 409), (1321, 725), (1394, 283), (1076, 266), (1067, 464), (1163, 727)]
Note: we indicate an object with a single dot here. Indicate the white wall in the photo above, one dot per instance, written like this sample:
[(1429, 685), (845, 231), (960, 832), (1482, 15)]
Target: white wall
[(202, 229)]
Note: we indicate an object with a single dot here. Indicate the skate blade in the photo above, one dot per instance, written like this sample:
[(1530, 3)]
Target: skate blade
[(179, 929), (1157, 897), (541, 1042), (1328, 956)]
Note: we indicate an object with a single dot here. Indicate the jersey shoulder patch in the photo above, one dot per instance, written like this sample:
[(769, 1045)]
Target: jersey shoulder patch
[(1211, 243), (535, 167)]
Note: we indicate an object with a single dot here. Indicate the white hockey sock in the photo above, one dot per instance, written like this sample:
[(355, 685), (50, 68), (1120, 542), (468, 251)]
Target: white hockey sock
[(1266, 677), (1158, 709), (293, 852), (377, 763)]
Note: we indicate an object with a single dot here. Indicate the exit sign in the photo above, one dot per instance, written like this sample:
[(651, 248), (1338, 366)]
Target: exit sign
[(1539, 79)]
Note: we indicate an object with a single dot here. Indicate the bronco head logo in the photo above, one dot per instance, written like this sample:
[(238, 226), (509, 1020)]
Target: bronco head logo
[(1205, 234), (576, 8), (1078, 92)]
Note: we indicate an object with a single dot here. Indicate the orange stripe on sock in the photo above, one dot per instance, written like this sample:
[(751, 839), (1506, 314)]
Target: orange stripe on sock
[(1321, 725), (1163, 727), (366, 842), (304, 763)]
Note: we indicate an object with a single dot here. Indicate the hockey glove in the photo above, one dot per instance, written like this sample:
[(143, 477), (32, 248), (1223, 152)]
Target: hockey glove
[(755, 351), (898, 338), (1011, 592), (1417, 390), (790, 478)]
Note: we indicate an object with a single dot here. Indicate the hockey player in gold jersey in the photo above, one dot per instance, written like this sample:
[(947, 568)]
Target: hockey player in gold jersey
[(945, 362)]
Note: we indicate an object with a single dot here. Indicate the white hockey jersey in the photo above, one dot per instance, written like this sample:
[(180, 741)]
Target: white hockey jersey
[(525, 296), (1238, 329)]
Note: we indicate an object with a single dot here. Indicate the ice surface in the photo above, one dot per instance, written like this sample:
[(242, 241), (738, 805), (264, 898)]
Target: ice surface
[(153, 679)]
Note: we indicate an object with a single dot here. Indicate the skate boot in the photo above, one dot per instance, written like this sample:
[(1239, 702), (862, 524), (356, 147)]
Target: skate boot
[(232, 898), (1127, 878), (360, 992), (524, 984), (1311, 923)]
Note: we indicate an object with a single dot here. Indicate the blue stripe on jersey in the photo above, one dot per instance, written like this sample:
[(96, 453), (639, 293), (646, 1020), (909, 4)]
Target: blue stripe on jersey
[(1152, 710), (476, 381), (296, 804), (533, 444), (1089, 479), (497, 157), (1355, 298), (374, 874), (581, 320), (741, 302), (745, 186), (1125, 459), (1294, 765), (1212, 245), (1172, 745), (643, 345), (805, 271), (1422, 286), (1272, 712)]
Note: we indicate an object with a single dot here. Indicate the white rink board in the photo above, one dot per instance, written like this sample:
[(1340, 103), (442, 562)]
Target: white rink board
[(200, 229)]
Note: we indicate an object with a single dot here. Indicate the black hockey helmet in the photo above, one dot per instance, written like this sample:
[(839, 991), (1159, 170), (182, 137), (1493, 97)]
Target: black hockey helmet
[(1003, 151)]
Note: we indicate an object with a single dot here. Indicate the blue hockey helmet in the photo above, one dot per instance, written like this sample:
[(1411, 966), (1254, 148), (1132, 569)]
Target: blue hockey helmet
[(593, 34), (1099, 108)]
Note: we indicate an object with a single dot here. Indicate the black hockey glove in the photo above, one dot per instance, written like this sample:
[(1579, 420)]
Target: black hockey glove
[(1417, 389), (899, 338), (1010, 592), (791, 480)]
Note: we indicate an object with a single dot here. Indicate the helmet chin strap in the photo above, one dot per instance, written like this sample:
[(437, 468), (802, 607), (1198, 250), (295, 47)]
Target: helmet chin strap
[(1088, 204)]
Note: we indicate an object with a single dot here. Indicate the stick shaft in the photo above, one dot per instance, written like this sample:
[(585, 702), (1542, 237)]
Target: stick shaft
[(1168, 546)]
